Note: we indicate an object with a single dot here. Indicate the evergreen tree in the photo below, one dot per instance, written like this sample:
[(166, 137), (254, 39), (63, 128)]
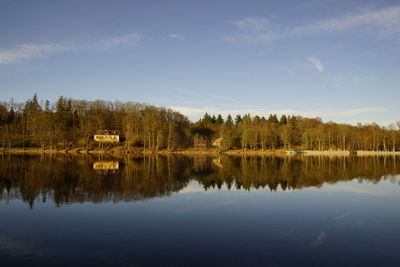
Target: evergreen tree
[(11, 116), (229, 121), (219, 119), (213, 119), (238, 119), (47, 106), (273, 118), (283, 120), (206, 119)]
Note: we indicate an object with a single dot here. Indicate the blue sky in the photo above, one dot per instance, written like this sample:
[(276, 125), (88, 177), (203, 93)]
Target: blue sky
[(338, 60)]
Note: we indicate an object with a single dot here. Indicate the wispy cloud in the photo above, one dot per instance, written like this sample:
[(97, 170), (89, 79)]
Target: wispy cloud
[(32, 50), (316, 63), (195, 113), (176, 36), (383, 23), (253, 24)]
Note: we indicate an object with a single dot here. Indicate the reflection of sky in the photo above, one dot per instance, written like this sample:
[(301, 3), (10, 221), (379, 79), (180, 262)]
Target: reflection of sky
[(356, 188), (387, 186), (347, 223), (18, 247)]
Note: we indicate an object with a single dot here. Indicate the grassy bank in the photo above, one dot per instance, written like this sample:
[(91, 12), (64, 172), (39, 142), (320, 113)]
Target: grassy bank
[(377, 153), (119, 150), (327, 153)]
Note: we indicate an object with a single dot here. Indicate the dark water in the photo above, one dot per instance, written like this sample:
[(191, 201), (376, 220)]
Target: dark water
[(178, 211)]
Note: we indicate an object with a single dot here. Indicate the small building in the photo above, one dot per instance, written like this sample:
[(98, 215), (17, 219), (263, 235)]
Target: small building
[(217, 142), (106, 167), (107, 136), (295, 152)]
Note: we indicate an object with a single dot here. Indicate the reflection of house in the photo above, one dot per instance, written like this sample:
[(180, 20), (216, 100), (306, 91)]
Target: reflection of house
[(106, 136), (106, 167), (218, 142), (217, 162)]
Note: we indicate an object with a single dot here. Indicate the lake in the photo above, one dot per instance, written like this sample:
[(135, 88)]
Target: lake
[(199, 211)]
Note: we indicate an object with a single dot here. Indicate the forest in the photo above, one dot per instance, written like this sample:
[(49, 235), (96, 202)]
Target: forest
[(71, 123)]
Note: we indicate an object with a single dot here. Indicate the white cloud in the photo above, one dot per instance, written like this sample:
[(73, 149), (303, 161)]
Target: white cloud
[(383, 23), (252, 24), (176, 36), (27, 51), (32, 50), (196, 113), (316, 63)]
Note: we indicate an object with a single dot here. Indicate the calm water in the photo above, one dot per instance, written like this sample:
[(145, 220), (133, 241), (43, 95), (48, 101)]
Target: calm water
[(200, 211)]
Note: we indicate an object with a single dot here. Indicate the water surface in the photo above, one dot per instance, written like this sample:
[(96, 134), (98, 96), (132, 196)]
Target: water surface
[(179, 211)]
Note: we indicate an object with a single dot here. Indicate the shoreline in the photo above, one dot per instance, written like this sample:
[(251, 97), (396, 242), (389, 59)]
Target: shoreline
[(201, 152)]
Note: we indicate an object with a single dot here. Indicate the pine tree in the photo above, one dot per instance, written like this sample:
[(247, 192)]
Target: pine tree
[(283, 120), (238, 119), (213, 119), (229, 121), (273, 118), (219, 119)]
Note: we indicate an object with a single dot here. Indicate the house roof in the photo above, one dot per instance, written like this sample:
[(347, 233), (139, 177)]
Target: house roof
[(107, 132), (218, 140)]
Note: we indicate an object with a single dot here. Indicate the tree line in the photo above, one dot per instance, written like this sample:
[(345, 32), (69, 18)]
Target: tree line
[(69, 123)]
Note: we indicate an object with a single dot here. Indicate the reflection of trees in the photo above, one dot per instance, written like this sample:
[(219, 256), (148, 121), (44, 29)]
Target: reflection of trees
[(68, 180), (299, 172)]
